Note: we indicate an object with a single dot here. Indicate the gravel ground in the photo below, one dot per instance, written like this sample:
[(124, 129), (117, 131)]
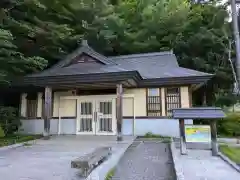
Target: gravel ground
[(145, 161)]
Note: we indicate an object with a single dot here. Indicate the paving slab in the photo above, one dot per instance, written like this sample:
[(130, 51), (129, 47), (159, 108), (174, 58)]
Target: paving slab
[(50, 159), (145, 161), (201, 165)]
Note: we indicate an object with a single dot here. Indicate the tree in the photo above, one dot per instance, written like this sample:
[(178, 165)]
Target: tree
[(13, 62), (198, 34)]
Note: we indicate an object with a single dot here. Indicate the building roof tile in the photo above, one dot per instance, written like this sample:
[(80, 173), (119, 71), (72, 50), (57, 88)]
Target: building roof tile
[(149, 65)]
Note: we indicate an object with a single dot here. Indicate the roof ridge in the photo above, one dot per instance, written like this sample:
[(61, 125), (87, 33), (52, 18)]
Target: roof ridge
[(101, 56), (82, 49), (143, 55)]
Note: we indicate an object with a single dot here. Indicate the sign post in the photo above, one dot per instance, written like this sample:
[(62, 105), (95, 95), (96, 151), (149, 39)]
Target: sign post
[(198, 133)]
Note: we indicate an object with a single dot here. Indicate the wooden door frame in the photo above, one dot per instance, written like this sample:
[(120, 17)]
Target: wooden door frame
[(79, 98)]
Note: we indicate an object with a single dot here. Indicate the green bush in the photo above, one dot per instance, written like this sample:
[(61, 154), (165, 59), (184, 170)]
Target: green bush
[(110, 174), (151, 135), (2, 134), (26, 138), (230, 126), (9, 119)]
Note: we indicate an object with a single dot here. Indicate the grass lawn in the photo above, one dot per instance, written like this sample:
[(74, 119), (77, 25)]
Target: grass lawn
[(110, 174), (232, 153), (17, 138), (151, 136)]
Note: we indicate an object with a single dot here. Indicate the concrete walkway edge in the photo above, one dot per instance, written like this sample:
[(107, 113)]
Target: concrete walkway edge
[(177, 168), (4, 148), (100, 172), (230, 162)]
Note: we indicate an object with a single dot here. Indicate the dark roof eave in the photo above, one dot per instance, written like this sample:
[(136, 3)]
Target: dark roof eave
[(80, 78), (198, 113), (176, 80)]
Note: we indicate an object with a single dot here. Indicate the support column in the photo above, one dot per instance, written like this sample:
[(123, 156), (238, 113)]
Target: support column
[(23, 105), (119, 111), (183, 145), (214, 137), (204, 96), (47, 112)]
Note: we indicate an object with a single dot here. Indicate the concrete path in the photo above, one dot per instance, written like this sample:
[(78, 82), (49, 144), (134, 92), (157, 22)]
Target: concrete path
[(145, 161), (228, 140), (50, 159), (201, 165)]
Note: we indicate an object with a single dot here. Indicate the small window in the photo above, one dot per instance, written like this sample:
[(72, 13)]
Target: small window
[(154, 102), (31, 106), (172, 99)]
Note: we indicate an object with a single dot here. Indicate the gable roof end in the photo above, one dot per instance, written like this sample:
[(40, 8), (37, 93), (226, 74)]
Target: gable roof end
[(83, 49)]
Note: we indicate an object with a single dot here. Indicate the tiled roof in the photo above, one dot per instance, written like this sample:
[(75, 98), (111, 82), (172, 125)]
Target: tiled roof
[(149, 65), (155, 65), (84, 68)]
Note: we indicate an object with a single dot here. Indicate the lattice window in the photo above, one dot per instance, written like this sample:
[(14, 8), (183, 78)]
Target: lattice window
[(31, 106), (154, 102), (172, 99)]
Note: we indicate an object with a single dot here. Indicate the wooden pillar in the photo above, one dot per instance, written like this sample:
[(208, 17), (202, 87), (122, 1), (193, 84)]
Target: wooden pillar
[(214, 137), (190, 96), (183, 145), (47, 112), (204, 96), (119, 111)]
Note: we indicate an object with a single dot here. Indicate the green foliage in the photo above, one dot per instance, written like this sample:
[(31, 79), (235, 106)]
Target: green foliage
[(230, 125), (17, 138), (34, 31), (2, 134), (9, 120), (151, 135), (226, 100), (12, 61), (110, 174), (232, 153)]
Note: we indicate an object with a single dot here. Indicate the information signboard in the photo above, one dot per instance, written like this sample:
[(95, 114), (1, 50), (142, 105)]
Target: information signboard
[(198, 133)]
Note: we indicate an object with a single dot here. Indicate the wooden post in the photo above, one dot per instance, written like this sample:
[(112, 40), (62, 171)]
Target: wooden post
[(183, 146), (214, 137), (48, 112), (204, 96), (119, 112)]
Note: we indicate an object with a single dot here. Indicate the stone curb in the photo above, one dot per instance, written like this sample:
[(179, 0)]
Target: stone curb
[(176, 165), (100, 172), (230, 162), (4, 148)]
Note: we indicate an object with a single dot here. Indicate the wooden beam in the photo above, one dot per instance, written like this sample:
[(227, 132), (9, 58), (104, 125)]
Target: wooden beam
[(119, 111), (183, 145), (190, 96), (214, 137), (86, 86), (48, 112)]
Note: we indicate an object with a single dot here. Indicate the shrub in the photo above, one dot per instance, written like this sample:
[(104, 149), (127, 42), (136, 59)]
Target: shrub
[(26, 138), (2, 134), (9, 119), (148, 135), (151, 135), (230, 125)]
